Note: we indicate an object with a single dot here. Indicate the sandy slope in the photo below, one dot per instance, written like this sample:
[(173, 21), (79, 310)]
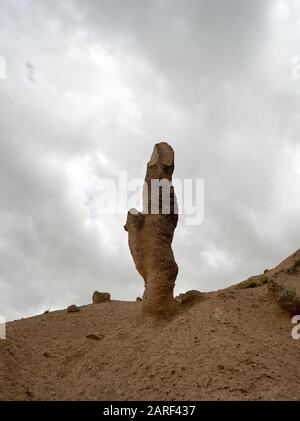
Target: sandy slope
[(234, 344)]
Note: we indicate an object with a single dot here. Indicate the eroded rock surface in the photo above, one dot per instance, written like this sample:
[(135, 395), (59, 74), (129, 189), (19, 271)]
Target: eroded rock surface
[(150, 233), (286, 298), (190, 297), (73, 309), (100, 297)]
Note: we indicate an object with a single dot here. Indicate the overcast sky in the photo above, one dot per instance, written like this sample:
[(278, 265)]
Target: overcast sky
[(91, 86)]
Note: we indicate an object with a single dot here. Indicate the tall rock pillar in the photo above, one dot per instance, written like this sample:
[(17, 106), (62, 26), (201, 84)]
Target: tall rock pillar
[(150, 233)]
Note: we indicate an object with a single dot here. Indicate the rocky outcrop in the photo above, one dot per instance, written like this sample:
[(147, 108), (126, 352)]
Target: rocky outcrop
[(150, 233), (288, 301), (73, 309), (190, 297), (286, 298), (100, 297)]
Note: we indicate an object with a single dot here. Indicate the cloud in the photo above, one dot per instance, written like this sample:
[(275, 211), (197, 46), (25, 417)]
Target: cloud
[(111, 78)]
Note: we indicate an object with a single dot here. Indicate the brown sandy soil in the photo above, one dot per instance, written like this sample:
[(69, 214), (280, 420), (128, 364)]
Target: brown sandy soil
[(233, 344)]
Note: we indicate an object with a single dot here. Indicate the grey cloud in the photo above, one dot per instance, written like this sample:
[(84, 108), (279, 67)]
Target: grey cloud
[(112, 78)]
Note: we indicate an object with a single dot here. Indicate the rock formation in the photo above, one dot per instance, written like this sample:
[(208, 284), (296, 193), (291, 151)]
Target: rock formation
[(73, 309), (190, 297), (286, 298), (100, 297), (150, 233)]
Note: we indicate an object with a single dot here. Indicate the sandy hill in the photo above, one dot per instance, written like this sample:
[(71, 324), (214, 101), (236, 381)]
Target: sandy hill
[(230, 344)]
